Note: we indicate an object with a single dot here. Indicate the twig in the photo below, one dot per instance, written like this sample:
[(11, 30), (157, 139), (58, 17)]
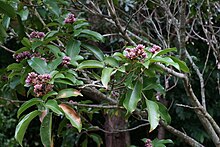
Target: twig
[(192, 142), (11, 101), (202, 86), (7, 49), (134, 15), (187, 106), (94, 106)]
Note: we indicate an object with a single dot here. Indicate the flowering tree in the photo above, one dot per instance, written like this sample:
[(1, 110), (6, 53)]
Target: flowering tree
[(64, 75)]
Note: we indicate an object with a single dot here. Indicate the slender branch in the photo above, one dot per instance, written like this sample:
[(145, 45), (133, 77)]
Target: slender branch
[(125, 130), (186, 106), (94, 94), (192, 142), (11, 101), (134, 15), (202, 86), (115, 18), (7, 49), (94, 106)]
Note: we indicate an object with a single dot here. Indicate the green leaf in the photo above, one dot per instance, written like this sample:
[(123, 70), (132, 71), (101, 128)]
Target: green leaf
[(146, 64), (26, 42), (36, 44), (69, 92), (130, 102), (7, 9), (94, 34), (51, 93), (111, 61), (54, 64), (39, 65), (15, 67), (153, 114), (64, 81), (24, 14), (45, 130), (164, 113), (162, 52), (160, 143), (182, 64), (50, 34), (53, 7), (23, 124), (105, 78), (52, 104), (96, 138), (90, 64), (27, 105), (73, 48), (71, 115), (95, 50), (165, 60), (81, 25), (55, 50), (3, 33)]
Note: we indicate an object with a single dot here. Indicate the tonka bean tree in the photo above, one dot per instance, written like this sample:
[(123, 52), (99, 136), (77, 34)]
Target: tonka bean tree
[(64, 75)]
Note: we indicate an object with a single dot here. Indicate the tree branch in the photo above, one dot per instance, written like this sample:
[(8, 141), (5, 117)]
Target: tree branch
[(192, 142)]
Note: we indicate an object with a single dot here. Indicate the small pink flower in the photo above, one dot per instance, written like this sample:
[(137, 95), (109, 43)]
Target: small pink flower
[(155, 49), (37, 35), (21, 56), (70, 19), (136, 53), (66, 60), (148, 143), (32, 78)]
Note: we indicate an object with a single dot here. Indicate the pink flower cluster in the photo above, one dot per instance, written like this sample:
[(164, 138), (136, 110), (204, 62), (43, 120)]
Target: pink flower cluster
[(23, 55), (40, 83), (155, 49), (148, 143), (37, 35), (70, 19), (136, 53), (66, 61)]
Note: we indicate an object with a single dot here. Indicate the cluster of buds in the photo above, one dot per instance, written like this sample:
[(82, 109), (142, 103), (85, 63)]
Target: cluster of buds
[(66, 61), (155, 49), (37, 35), (70, 19), (23, 55), (148, 143), (136, 53), (40, 83)]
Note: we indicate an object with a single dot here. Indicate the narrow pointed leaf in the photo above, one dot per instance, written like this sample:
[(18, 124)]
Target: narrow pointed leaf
[(91, 64), (69, 92), (7, 9), (130, 102), (23, 124), (51, 93), (162, 52), (73, 117), (105, 78), (182, 64), (73, 48), (52, 104), (164, 113), (94, 34), (153, 114), (27, 105), (166, 60), (39, 65), (95, 50), (45, 130)]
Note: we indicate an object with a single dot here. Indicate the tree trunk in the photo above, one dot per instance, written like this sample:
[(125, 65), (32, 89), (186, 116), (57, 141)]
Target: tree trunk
[(121, 139)]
